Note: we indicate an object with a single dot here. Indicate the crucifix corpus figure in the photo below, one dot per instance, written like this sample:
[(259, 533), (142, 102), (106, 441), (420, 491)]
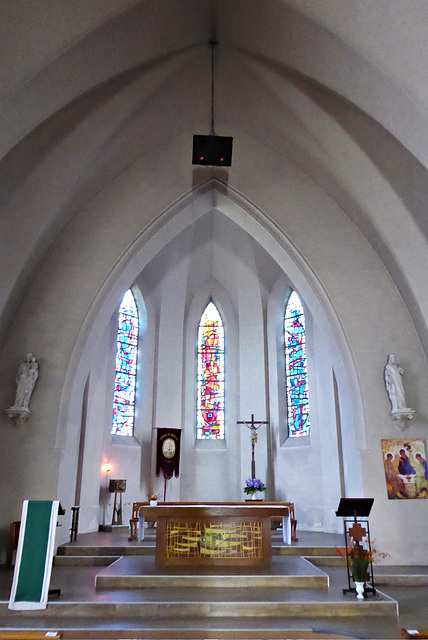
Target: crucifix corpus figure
[(253, 425)]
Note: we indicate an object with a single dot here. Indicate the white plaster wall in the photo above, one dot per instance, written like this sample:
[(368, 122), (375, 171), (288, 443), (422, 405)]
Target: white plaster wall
[(338, 274), (98, 180)]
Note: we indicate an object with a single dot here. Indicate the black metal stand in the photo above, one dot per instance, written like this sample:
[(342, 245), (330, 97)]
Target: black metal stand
[(357, 529), (364, 524)]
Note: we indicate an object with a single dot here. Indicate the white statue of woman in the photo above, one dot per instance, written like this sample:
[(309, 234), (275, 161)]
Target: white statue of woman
[(394, 384), (28, 372)]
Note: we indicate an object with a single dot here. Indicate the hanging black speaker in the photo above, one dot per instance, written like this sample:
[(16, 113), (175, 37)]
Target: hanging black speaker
[(212, 150)]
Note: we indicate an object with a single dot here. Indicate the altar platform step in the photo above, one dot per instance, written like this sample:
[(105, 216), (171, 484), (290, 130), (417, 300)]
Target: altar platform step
[(238, 613), (142, 572), (179, 634), (149, 550), (84, 560), (105, 551), (222, 629)]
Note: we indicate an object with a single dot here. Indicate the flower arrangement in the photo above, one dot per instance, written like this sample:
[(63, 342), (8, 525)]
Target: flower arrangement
[(359, 560), (252, 485)]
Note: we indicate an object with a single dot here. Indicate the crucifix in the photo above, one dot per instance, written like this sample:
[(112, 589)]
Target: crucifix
[(253, 425)]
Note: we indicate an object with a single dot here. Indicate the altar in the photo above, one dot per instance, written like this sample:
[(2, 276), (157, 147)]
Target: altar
[(214, 533)]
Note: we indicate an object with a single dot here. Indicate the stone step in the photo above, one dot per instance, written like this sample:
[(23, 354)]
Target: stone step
[(211, 582), (198, 631), (80, 561), (139, 572), (326, 561), (408, 579), (117, 551), (149, 549), (291, 550), (161, 610)]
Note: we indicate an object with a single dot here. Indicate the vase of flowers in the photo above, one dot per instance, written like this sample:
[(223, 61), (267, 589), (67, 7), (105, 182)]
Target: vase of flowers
[(252, 486), (153, 500), (359, 559)]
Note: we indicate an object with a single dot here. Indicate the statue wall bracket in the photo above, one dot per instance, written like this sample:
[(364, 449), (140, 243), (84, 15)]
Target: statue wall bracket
[(402, 417), (19, 415)]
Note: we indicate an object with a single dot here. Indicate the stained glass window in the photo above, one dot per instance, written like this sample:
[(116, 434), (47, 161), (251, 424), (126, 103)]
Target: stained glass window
[(126, 368), (210, 402), (295, 368)]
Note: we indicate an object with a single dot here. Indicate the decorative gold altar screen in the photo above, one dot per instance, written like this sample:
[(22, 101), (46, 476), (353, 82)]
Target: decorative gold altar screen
[(215, 533)]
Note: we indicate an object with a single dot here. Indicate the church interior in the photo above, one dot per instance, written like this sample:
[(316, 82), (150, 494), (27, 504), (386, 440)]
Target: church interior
[(324, 202)]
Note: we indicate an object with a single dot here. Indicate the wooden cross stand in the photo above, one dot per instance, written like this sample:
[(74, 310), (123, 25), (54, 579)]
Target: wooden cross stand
[(253, 425)]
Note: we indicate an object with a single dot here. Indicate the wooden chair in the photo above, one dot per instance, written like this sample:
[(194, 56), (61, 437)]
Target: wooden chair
[(293, 520), (12, 542), (133, 522)]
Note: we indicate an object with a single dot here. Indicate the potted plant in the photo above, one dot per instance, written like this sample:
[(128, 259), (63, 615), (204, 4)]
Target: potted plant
[(153, 499), (358, 559), (252, 486)]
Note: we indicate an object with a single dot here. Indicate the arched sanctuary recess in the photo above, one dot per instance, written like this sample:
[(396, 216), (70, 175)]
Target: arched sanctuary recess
[(214, 197), (199, 453)]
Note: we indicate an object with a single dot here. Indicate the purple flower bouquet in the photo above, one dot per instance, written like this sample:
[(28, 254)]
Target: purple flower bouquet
[(252, 485)]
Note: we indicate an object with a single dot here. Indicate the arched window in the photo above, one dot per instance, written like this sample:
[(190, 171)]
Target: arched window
[(126, 368), (296, 377), (210, 401)]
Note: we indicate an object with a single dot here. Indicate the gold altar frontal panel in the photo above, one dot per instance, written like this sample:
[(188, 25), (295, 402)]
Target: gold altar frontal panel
[(213, 533), (213, 541)]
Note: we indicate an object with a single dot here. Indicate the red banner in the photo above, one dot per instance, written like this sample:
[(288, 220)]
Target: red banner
[(168, 452)]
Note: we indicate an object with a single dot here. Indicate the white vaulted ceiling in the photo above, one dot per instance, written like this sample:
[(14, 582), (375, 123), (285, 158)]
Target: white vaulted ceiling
[(335, 88)]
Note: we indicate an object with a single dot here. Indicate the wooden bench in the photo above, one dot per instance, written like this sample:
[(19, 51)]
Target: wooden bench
[(25, 634), (136, 506), (418, 634)]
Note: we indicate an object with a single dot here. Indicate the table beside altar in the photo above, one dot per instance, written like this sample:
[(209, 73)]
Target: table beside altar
[(214, 533)]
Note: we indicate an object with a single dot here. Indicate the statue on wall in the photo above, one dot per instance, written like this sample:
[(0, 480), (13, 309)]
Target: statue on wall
[(393, 376), (28, 372)]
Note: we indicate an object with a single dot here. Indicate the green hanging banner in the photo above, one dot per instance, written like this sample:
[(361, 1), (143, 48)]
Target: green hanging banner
[(34, 555)]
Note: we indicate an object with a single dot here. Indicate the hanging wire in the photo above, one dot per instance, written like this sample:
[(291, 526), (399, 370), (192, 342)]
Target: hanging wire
[(213, 43)]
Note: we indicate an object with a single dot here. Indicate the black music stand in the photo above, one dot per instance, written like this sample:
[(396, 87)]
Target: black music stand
[(358, 530)]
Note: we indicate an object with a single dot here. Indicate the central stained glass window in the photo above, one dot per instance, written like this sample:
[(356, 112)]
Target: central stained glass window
[(295, 368), (126, 368), (210, 401)]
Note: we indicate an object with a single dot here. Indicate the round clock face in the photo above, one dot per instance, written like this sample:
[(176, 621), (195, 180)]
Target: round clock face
[(168, 448)]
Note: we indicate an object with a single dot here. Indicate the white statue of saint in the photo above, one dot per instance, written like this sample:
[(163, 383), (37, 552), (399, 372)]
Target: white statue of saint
[(394, 384), (393, 376), (28, 372)]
